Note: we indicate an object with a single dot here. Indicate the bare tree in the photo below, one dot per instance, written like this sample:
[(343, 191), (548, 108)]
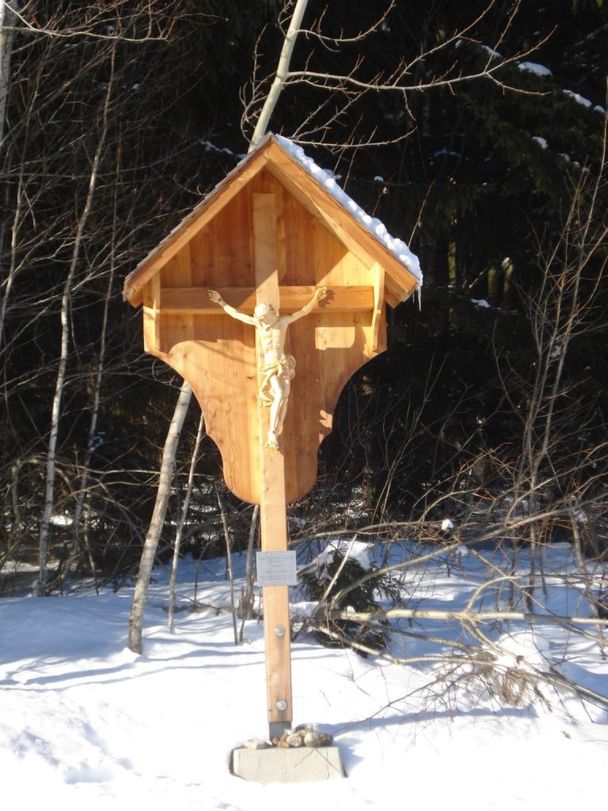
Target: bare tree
[(49, 500), (74, 179), (562, 311), (7, 21), (341, 92), (163, 493), (282, 74), (182, 523)]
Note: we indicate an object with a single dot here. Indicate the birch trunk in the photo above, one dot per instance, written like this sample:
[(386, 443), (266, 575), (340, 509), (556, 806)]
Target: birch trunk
[(82, 501), (281, 74), (51, 464), (230, 570), (7, 22), (182, 522), (82, 497), (136, 617), (246, 607)]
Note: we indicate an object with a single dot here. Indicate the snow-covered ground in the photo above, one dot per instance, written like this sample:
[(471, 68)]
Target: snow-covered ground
[(86, 723)]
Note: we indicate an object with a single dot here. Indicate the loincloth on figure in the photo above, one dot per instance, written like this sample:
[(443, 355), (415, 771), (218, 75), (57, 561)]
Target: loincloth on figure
[(283, 369)]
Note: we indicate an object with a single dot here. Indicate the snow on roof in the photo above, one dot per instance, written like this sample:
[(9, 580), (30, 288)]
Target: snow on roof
[(374, 226)]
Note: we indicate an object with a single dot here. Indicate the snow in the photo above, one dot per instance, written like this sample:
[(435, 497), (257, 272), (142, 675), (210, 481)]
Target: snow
[(542, 142), (59, 520), (542, 71), (578, 98), (375, 227), (535, 68), (353, 549), (490, 51), (584, 102), (486, 48), (89, 724), (220, 150)]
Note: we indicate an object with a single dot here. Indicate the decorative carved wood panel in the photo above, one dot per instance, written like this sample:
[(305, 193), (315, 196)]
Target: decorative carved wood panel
[(216, 354)]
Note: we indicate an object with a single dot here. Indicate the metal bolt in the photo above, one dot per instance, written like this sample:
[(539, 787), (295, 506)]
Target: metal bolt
[(281, 705), (279, 631)]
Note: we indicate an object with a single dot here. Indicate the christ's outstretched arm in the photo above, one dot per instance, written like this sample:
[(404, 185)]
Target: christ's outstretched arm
[(231, 311), (320, 293)]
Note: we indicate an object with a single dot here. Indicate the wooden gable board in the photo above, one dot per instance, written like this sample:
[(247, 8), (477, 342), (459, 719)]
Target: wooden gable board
[(400, 283), (191, 225)]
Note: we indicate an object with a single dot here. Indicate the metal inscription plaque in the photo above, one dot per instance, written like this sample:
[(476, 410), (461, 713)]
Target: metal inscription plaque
[(276, 569)]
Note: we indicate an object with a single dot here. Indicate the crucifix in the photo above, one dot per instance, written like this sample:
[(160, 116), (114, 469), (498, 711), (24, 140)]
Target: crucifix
[(272, 365), (276, 369), (271, 248)]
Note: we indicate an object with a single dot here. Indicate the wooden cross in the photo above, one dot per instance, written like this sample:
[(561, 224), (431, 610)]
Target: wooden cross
[(270, 233), (273, 499)]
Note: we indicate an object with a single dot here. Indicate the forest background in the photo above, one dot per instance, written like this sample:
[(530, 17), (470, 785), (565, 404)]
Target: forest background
[(475, 131)]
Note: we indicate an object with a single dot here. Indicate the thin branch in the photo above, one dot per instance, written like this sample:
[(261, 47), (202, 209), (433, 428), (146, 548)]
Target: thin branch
[(466, 617)]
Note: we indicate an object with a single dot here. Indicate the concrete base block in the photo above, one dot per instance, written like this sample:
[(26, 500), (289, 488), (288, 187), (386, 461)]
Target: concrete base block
[(298, 765)]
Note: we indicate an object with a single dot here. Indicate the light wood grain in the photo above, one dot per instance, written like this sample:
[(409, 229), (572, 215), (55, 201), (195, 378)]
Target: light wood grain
[(271, 157), (152, 302), (195, 300), (273, 506), (378, 330), (204, 213), (217, 354), (350, 231), (268, 233)]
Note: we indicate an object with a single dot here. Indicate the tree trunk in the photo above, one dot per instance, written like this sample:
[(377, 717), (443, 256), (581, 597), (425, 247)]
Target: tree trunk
[(228, 541), (83, 495), (182, 522), (7, 22), (136, 617), (281, 74), (246, 607), (49, 493)]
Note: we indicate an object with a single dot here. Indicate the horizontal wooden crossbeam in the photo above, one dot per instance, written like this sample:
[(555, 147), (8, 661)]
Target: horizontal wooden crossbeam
[(195, 300)]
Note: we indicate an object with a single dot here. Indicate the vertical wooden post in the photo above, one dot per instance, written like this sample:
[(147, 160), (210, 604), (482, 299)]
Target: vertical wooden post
[(273, 507), (152, 304)]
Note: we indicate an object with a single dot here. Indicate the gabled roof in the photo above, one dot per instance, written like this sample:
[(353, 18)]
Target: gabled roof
[(317, 190)]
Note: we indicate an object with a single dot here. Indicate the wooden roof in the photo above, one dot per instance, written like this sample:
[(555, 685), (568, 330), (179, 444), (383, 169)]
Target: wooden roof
[(271, 154)]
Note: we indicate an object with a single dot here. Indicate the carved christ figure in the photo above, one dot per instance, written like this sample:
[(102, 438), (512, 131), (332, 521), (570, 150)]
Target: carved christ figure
[(277, 369)]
